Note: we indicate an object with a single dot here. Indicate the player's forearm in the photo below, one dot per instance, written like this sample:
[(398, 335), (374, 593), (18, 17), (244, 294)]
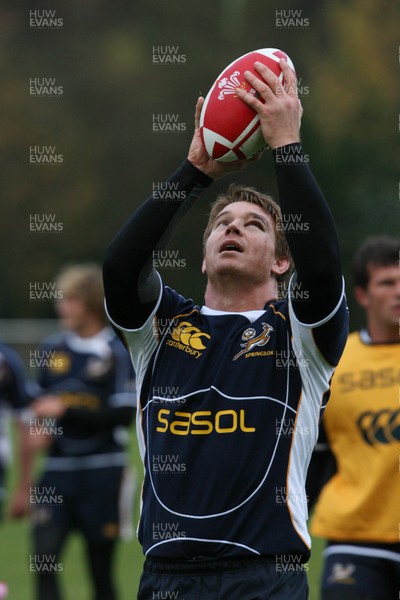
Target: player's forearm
[(321, 469), (26, 457), (128, 261), (311, 234)]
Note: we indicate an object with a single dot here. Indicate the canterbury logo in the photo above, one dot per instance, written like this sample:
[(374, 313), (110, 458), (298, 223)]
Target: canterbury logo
[(382, 427), (251, 341), (188, 338), (189, 335)]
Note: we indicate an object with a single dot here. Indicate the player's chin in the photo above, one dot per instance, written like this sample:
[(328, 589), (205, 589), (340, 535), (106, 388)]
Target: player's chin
[(66, 322), (71, 324), (232, 268), (230, 260), (395, 316), (222, 266)]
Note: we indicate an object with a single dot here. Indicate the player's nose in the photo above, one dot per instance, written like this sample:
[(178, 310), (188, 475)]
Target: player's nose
[(233, 227)]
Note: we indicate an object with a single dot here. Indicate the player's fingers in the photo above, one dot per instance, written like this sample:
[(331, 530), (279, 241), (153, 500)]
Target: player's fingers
[(248, 97), (199, 106), (263, 90), (269, 77), (289, 77)]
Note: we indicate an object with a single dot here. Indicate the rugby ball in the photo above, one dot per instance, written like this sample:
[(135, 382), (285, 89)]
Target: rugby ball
[(229, 128)]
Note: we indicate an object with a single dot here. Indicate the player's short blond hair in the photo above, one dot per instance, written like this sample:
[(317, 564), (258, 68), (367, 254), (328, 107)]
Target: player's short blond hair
[(239, 193), (85, 282)]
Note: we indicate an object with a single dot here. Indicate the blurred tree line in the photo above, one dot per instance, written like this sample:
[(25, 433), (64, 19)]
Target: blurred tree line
[(346, 55)]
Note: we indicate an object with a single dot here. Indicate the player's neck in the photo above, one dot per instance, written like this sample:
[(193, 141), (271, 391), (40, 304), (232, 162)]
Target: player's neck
[(237, 297), (381, 333)]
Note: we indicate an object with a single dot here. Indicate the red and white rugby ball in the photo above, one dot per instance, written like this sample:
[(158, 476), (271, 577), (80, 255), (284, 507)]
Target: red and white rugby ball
[(230, 129)]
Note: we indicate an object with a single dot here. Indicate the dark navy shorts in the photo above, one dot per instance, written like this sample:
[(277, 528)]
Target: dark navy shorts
[(236, 579), (351, 575), (86, 500)]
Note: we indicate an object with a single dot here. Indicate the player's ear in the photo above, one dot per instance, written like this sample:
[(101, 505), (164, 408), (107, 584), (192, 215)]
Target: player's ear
[(280, 266), (361, 296), (203, 267)]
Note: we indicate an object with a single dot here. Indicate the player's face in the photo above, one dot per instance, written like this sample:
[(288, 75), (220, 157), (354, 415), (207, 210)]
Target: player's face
[(381, 298), (73, 313), (242, 243)]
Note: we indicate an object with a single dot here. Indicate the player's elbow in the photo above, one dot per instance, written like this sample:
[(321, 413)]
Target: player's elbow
[(110, 270)]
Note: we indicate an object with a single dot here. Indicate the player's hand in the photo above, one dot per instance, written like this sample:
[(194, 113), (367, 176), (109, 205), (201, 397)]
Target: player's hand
[(198, 155), (280, 113), (48, 407), (20, 505)]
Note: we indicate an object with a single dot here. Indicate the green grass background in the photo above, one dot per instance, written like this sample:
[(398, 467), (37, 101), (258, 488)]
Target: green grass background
[(15, 550)]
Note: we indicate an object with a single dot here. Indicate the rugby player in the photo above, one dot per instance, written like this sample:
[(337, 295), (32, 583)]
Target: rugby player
[(358, 509), (85, 404), (13, 400), (230, 393)]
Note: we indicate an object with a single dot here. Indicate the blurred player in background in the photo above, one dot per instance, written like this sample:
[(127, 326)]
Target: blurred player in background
[(218, 383), (358, 510), (86, 402), (13, 401)]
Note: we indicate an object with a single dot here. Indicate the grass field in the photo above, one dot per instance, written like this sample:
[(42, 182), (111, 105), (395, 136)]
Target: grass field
[(15, 551)]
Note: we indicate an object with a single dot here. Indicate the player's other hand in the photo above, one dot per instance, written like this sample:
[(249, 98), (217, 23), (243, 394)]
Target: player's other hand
[(20, 504), (48, 407), (280, 113), (198, 155)]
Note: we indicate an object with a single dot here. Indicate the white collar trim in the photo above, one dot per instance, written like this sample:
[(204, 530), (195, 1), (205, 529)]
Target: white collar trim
[(251, 315)]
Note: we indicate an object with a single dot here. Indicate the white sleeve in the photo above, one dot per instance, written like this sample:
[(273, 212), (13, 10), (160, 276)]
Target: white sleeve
[(315, 370), (142, 343)]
